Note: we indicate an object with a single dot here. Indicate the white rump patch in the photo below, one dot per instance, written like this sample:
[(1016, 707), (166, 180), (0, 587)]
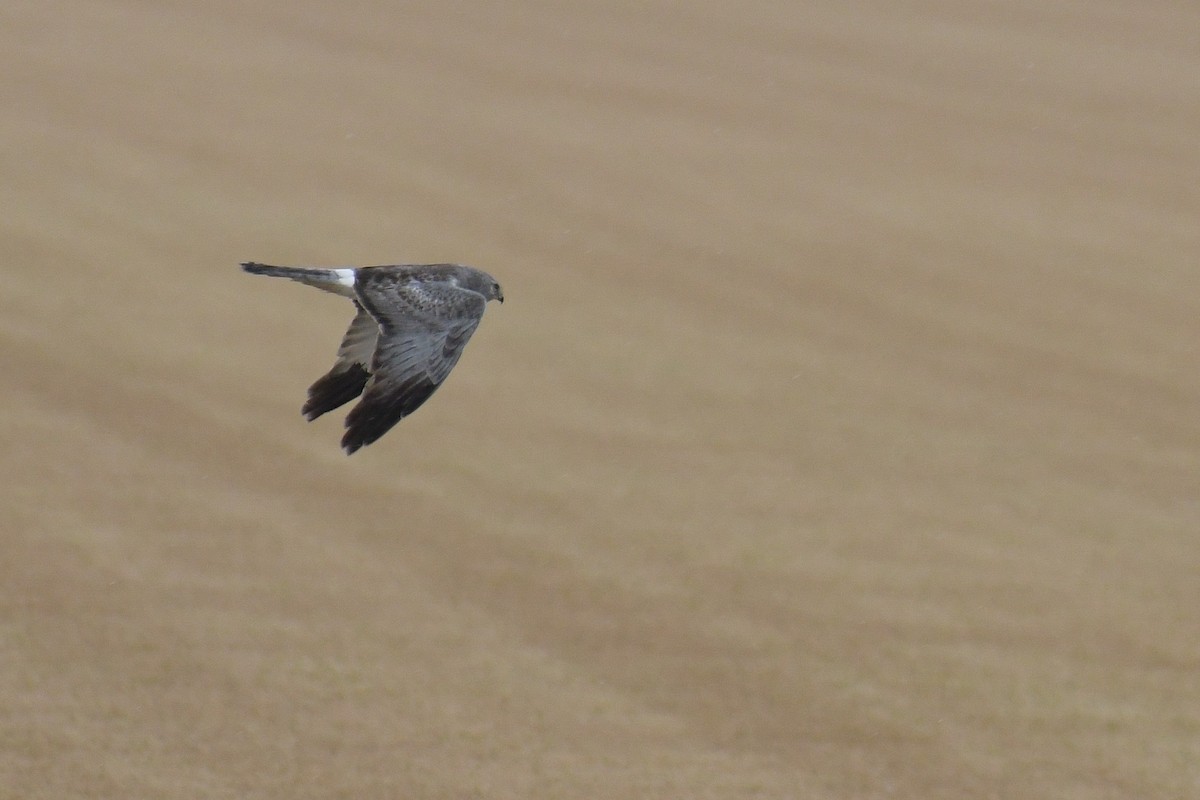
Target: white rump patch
[(345, 276)]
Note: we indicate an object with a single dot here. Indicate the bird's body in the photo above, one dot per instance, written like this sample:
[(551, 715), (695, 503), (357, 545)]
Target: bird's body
[(411, 325)]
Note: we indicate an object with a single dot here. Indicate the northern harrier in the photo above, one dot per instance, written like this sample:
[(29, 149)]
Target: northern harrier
[(412, 323)]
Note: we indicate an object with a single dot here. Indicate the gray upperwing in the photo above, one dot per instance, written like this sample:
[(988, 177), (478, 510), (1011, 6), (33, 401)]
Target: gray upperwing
[(424, 327)]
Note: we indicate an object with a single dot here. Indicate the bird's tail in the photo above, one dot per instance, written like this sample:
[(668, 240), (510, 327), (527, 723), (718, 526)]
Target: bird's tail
[(339, 281)]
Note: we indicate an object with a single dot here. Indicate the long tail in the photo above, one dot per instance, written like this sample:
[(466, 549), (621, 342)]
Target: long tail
[(339, 281)]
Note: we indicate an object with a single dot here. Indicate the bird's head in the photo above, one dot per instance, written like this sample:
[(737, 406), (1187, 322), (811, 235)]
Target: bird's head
[(479, 281)]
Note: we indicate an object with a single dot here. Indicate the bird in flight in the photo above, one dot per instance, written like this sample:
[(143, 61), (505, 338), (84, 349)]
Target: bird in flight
[(412, 323)]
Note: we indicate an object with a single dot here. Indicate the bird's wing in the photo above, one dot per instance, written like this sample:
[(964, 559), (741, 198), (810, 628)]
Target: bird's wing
[(350, 372), (358, 345), (424, 326)]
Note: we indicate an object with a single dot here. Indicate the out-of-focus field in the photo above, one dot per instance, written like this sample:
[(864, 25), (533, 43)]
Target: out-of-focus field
[(840, 437)]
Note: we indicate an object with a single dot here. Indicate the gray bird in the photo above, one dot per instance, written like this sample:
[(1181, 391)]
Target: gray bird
[(412, 323)]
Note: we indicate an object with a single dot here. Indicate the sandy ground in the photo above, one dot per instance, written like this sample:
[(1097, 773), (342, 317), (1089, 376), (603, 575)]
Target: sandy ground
[(838, 439)]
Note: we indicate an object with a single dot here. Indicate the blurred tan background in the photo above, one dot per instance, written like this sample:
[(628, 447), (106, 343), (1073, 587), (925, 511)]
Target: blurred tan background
[(838, 439)]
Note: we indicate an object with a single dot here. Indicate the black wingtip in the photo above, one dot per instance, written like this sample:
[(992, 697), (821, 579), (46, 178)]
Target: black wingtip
[(380, 411), (254, 267), (354, 441), (334, 390), (365, 425), (357, 438)]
